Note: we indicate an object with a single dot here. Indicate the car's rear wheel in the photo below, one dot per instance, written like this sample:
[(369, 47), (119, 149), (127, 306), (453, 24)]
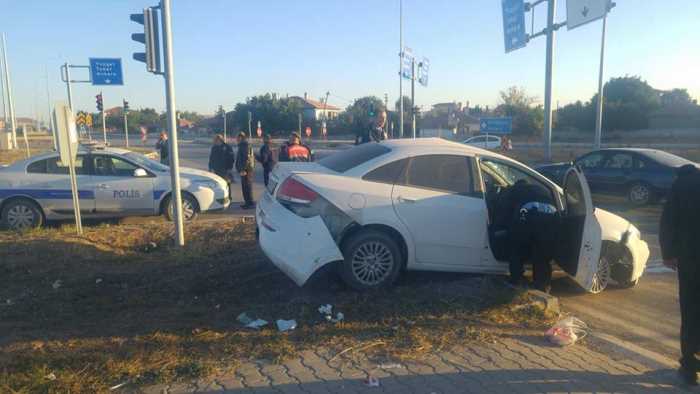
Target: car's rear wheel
[(372, 260), (640, 194), (21, 214), (190, 208)]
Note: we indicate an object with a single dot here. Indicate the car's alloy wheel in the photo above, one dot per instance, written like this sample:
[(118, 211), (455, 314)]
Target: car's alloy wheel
[(372, 263), (640, 194), (601, 278), (189, 208), (21, 215)]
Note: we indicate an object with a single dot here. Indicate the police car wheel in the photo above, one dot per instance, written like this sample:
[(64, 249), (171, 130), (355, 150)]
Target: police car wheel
[(190, 208), (21, 214), (372, 260)]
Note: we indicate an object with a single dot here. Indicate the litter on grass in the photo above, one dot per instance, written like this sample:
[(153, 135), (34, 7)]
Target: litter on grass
[(327, 312), (248, 322), (372, 381), (286, 325), (567, 331)]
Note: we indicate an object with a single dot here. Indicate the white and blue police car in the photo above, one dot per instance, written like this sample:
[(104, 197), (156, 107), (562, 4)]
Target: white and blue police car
[(111, 183)]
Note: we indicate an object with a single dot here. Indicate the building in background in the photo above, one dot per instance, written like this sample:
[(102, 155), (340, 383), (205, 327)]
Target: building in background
[(314, 110)]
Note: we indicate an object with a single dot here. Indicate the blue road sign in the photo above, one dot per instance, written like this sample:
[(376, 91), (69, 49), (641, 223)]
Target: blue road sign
[(514, 24), (496, 125), (407, 63), (106, 71)]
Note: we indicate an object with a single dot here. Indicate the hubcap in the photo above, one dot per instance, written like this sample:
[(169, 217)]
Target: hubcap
[(639, 193), (20, 217), (602, 277), (187, 209), (372, 263)]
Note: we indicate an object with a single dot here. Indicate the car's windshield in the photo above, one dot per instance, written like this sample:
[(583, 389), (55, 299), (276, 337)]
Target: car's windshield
[(146, 162), (353, 157), (667, 159)]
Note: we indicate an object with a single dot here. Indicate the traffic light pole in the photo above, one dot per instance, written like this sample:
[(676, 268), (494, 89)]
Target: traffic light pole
[(104, 123), (413, 98), (126, 127), (172, 122)]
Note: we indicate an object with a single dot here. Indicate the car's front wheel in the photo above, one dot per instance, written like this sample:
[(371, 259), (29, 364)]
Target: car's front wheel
[(21, 214), (190, 208), (640, 194), (372, 260)]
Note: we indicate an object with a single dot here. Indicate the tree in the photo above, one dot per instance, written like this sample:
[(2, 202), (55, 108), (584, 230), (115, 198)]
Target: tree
[(527, 118), (274, 113), (358, 115), (628, 103), (576, 116), (676, 98)]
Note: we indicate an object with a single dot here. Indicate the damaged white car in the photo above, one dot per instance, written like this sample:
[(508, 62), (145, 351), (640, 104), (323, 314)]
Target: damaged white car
[(428, 204)]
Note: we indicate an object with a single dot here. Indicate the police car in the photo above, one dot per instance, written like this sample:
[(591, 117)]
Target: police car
[(111, 183)]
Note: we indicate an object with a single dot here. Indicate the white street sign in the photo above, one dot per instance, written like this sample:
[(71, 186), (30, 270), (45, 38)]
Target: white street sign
[(66, 132), (580, 12)]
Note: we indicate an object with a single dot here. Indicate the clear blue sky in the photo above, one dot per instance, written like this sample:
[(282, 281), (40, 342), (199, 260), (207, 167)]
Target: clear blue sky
[(226, 50)]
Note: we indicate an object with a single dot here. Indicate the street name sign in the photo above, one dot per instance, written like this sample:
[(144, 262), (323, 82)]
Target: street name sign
[(580, 12), (496, 125), (514, 34), (106, 71)]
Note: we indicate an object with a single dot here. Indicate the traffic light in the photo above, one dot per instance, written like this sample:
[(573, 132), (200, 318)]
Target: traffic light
[(150, 39), (126, 106), (98, 101)]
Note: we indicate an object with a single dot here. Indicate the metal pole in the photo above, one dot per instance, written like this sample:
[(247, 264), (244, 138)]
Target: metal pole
[(601, 97), (299, 118), (413, 98), (52, 125), (8, 86), (2, 86), (400, 65), (104, 123), (224, 115), (250, 119), (549, 75), (126, 123), (73, 177), (172, 122), (26, 139), (66, 66)]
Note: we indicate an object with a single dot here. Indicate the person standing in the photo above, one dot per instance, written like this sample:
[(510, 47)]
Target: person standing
[(221, 159), (294, 150), (680, 249), (267, 158), (163, 148), (245, 165), (375, 130)]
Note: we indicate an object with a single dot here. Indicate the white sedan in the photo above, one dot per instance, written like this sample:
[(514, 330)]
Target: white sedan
[(484, 141), (111, 183), (380, 208)]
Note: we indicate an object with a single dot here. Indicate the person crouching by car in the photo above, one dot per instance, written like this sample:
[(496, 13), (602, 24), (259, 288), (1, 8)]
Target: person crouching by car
[(294, 150), (221, 159), (245, 165), (267, 157)]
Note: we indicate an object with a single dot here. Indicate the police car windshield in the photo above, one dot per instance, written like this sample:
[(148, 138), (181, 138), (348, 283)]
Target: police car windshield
[(146, 162)]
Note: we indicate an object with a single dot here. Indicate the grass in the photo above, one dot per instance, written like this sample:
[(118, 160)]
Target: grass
[(120, 304)]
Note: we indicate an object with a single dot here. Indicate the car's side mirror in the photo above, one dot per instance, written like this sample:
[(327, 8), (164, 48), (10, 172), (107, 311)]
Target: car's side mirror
[(140, 173)]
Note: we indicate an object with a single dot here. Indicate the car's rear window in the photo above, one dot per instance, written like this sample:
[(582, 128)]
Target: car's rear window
[(667, 159), (353, 157)]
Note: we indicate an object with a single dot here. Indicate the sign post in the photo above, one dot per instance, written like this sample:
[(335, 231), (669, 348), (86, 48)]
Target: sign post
[(68, 149)]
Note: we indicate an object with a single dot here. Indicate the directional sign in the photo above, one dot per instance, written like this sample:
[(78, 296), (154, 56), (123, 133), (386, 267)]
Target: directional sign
[(423, 71), (496, 125), (106, 71), (514, 24), (80, 118), (407, 63), (88, 120), (580, 12)]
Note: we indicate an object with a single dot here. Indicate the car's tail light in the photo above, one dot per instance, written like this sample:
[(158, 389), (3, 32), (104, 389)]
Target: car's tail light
[(296, 192)]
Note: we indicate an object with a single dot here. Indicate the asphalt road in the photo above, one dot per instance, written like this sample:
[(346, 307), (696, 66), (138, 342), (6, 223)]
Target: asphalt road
[(647, 315)]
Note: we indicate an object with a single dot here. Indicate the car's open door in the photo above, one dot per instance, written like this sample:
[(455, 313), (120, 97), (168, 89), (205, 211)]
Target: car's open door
[(580, 240)]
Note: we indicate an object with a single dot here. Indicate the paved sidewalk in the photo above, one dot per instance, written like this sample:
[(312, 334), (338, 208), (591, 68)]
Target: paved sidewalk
[(511, 365)]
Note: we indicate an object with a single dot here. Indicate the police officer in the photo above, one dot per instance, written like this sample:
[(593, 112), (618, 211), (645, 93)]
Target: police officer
[(530, 235), (163, 148), (294, 150), (680, 249), (375, 130), (221, 159), (245, 165), (267, 157)]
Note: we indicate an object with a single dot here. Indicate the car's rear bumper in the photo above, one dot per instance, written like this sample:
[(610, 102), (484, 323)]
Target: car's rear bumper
[(297, 246)]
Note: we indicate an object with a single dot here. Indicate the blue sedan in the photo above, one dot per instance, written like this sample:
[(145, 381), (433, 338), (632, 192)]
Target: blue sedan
[(643, 176)]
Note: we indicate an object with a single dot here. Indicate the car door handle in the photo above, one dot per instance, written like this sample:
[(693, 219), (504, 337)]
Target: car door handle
[(407, 199), (103, 186)]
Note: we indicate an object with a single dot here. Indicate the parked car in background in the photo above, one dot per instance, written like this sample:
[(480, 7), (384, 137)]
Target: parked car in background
[(429, 204), (643, 176), (111, 183), (489, 142)]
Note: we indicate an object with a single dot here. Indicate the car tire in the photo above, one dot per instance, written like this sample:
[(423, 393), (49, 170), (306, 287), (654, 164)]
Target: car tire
[(640, 194), (373, 260), (601, 279), (622, 265), (190, 207), (21, 214)]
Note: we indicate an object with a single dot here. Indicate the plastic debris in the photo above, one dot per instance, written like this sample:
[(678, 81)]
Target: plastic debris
[(247, 321), (372, 381), (57, 284), (567, 331), (327, 312), (244, 319), (286, 325), (51, 376), (391, 366), (325, 309), (118, 386), (98, 281)]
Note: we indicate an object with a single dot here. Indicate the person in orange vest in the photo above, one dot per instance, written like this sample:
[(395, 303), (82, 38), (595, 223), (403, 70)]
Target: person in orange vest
[(294, 150)]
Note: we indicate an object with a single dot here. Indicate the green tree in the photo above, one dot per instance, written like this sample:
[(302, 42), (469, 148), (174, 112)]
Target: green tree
[(528, 118), (627, 104), (276, 114), (358, 115)]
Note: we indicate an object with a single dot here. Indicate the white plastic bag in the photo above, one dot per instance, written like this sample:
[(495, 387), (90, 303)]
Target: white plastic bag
[(567, 331)]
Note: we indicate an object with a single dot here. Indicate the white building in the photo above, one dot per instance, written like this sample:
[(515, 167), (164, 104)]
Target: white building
[(317, 110)]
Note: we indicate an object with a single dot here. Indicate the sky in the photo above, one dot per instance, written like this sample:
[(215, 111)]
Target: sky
[(227, 50)]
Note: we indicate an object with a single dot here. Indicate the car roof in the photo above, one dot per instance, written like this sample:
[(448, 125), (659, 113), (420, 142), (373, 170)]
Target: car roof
[(418, 146)]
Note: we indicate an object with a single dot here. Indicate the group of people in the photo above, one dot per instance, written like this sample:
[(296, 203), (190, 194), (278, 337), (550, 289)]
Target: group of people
[(223, 160)]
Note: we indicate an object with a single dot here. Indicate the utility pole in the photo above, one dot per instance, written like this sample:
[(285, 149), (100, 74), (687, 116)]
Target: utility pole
[(386, 109), (172, 121), (250, 125), (2, 86), (549, 76), (125, 109), (601, 96), (413, 97), (8, 87), (400, 66)]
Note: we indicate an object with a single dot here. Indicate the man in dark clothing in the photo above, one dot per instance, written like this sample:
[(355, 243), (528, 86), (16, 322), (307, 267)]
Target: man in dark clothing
[(267, 158), (294, 150), (680, 249), (163, 148), (245, 165), (375, 130), (221, 159)]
